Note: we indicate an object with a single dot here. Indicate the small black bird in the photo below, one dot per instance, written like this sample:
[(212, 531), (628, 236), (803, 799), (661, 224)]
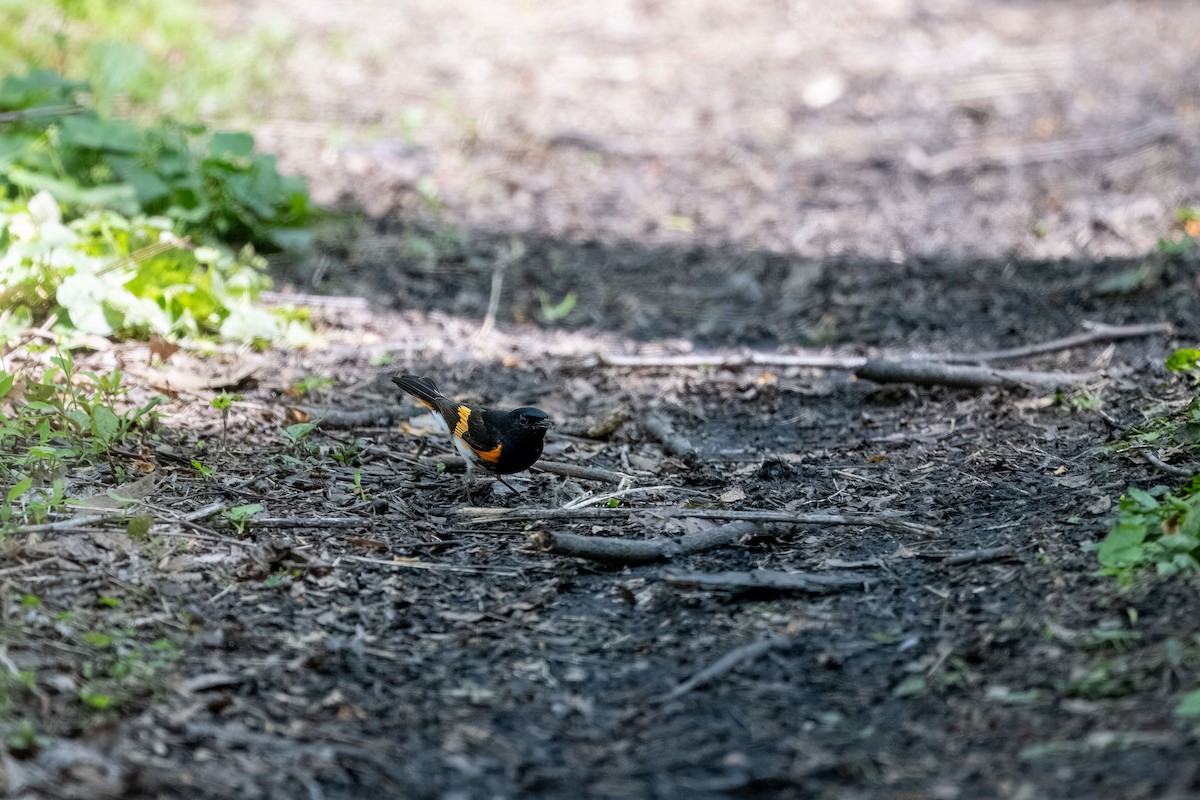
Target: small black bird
[(502, 442)]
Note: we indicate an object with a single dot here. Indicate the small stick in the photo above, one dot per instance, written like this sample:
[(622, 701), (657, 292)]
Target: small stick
[(661, 429), (615, 550), (733, 361), (1096, 333), (756, 649), (1182, 472), (772, 580), (432, 567), (380, 415), (980, 556), (515, 250), (936, 373), (73, 523), (205, 511), (598, 474), (312, 522), (887, 521)]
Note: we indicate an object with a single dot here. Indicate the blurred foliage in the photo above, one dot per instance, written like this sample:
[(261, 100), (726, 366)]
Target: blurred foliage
[(141, 57)]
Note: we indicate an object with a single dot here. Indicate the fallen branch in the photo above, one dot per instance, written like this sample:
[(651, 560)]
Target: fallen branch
[(598, 474), (312, 522), (937, 373), (615, 550), (733, 360), (1096, 333), (979, 556), (378, 416), (890, 522), (674, 443), (1170, 469), (756, 649), (771, 580)]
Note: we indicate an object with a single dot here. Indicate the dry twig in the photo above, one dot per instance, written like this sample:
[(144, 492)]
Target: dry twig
[(615, 550), (674, 443), (1094, 333), (770, 580), (733, 360), (759, 647), (1170, 469), (598, 474), (937, 373), (981, 556), (890, 522)]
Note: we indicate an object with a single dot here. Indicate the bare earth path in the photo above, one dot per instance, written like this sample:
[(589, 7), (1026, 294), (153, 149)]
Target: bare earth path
[(878, 178)]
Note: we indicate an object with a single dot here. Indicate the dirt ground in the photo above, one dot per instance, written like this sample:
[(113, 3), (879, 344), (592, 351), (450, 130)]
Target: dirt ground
[(883, 178)]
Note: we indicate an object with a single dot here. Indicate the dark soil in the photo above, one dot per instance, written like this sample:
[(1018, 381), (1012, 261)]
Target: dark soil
[(419, 654), (757, 182)]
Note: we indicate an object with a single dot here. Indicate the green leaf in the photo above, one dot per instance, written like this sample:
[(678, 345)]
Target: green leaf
[(1143, 498), (241, 513), (90, 132), (294, 433), (106, 426), (1189, 705), (116, 67), (98, 701), (1122, 547), (231, 145), (1183, 360), (97, 639), (22, 486)]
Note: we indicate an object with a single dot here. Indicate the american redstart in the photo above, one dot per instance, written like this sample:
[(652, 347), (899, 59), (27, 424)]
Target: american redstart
[(501, 442)]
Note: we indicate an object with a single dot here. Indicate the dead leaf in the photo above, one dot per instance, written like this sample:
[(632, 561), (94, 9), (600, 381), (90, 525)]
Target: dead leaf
[(189, 373), (370, 544), (734, 495), (118, 497), (161, 349)]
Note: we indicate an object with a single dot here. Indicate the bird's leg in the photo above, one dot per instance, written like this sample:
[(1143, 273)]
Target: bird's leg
[(470, 479), (506, 483)]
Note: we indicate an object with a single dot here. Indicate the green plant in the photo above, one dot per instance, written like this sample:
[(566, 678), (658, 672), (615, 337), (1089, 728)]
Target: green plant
[(239, 516), (100, 218), (556, 312), (1189, 705), (358, 490), (63, 416), (297, 439), (1155, 528), (312, 383), (223, 403), (349, 453), (153, 56), (1185, 359), (120, 668)]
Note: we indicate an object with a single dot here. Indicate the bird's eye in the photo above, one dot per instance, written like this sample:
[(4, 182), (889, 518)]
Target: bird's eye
[(523, 422)]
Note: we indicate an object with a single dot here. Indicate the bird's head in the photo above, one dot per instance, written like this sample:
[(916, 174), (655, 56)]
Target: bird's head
[(531, 418)]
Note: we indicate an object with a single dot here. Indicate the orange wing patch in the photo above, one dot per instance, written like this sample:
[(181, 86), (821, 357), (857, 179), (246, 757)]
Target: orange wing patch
[(490, 456), (464, 416)]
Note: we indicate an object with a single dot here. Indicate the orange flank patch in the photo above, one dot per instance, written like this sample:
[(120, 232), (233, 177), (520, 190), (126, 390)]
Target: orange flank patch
[(490, 456), (464, 415)]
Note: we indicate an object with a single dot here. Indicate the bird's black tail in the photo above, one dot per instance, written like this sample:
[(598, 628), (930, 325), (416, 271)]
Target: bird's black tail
[(421, 388)]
